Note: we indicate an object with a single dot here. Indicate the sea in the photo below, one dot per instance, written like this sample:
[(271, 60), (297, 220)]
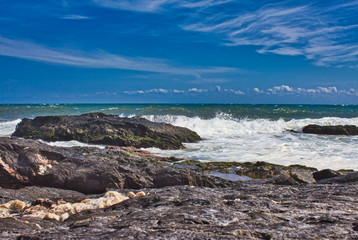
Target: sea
[(230, 132)]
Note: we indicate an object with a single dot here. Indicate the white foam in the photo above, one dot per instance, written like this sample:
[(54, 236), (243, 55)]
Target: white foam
[(7, 128), (228, 139), (73, 143)]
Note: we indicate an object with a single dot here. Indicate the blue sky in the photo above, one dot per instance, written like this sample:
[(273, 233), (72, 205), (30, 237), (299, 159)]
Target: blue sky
[(178, 51)]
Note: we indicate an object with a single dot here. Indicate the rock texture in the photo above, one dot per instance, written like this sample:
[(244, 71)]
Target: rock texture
[(99, 128), (325, 173), (267, 172), (331, 130), (87, 170), (246, 212), (85, 193)]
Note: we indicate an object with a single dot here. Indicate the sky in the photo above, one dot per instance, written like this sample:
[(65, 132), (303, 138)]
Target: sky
[(179, 51)]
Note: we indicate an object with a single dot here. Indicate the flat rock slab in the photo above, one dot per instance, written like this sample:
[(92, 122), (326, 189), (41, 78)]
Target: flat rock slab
[(331, 130), (248, 212), (99, 128)]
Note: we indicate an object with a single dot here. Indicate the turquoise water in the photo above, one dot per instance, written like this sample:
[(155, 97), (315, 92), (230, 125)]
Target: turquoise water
[(205, 111), (230, 132)]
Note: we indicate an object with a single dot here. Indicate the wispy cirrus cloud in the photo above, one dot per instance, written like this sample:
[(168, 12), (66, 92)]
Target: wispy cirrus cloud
[(324, 32), (75, 17), (36, 52), (321, 31), (158, 5)]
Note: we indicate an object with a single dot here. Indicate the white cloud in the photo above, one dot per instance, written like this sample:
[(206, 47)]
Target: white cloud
[(286, 90), (178, 91), (134, 5), (280, 89), (197, 90), (328, 89), (238, 92), (32, 51), (154, 6), (188, 91), (106, 93), (75, 17), (257, 90), (324, 34)]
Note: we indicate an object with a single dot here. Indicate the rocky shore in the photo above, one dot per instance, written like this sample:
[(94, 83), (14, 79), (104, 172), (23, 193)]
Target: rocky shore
[(99, 128), (123, 192)]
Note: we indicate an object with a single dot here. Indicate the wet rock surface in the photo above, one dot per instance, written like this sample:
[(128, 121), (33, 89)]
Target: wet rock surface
[(267, 172), (331, 130), (99, 128)]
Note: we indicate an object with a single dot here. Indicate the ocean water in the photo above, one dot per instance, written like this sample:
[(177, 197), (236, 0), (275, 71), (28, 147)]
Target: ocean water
[(230, 132)]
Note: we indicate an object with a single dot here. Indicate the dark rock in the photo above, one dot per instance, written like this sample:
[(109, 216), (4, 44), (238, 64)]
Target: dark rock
[(277, 174), (331, 130), (325, 173), (87, 170), (182, 212), (282, 180), (30, 194), (349, 178), (100, 128)]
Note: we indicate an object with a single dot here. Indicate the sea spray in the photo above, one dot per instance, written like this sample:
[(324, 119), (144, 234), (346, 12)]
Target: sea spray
[(8, 127), (231, 132), (230, 139)]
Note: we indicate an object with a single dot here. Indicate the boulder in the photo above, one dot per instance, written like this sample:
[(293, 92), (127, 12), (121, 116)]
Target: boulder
[(331, 130), (26, 162), (324, 174), (349, 178), (99, 128), (277, 174)]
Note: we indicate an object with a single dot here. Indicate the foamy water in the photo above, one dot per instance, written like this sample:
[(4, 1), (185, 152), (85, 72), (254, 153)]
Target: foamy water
[(228, 139), (73, 143), (7, 128)]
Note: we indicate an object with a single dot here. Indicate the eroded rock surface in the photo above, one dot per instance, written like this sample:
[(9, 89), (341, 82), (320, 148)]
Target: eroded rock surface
[(267, 172), (88, 170), (176, 201), (99, 128), (246, 212)]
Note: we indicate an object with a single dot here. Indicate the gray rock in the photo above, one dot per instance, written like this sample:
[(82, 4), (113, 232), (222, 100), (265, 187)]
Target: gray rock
[(349, 178), (30, 194), (181, 212), (88, 170), (277, 174), (100, 128)]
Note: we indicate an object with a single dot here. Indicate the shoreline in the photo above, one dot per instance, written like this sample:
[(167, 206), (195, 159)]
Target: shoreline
[(123, 191), (167, 202)]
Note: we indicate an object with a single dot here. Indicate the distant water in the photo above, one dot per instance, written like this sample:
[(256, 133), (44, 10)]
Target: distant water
[(231, 132)]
